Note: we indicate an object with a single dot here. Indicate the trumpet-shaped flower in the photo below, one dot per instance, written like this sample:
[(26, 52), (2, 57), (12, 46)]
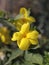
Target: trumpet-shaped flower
[(25, 37), (4, 35), (25, 18)]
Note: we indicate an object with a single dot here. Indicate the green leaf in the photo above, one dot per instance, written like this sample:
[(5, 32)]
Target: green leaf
[(46, 58), (34, 58), (28, 56), (15, 54), (37, 59)]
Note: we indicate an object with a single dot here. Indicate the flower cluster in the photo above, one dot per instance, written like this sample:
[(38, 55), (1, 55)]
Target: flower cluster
[(25, 37)]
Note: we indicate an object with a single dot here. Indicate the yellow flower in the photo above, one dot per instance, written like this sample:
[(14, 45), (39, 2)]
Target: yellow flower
[(26, 18), (4, 35), (25, 37), (26, 15)]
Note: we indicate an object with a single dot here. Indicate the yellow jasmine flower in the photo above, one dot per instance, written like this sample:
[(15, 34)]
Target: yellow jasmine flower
[(4, 35), (26, 18), (25, 37), (26, 15)]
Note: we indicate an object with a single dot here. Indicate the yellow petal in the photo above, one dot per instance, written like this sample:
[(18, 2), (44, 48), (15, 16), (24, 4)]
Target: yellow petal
[(16, 36), (33, 35), (24, 12), (25, 28), (0, 34), (24, 44), (30, 19), (33, 41), (3, 38), (18, 26)]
